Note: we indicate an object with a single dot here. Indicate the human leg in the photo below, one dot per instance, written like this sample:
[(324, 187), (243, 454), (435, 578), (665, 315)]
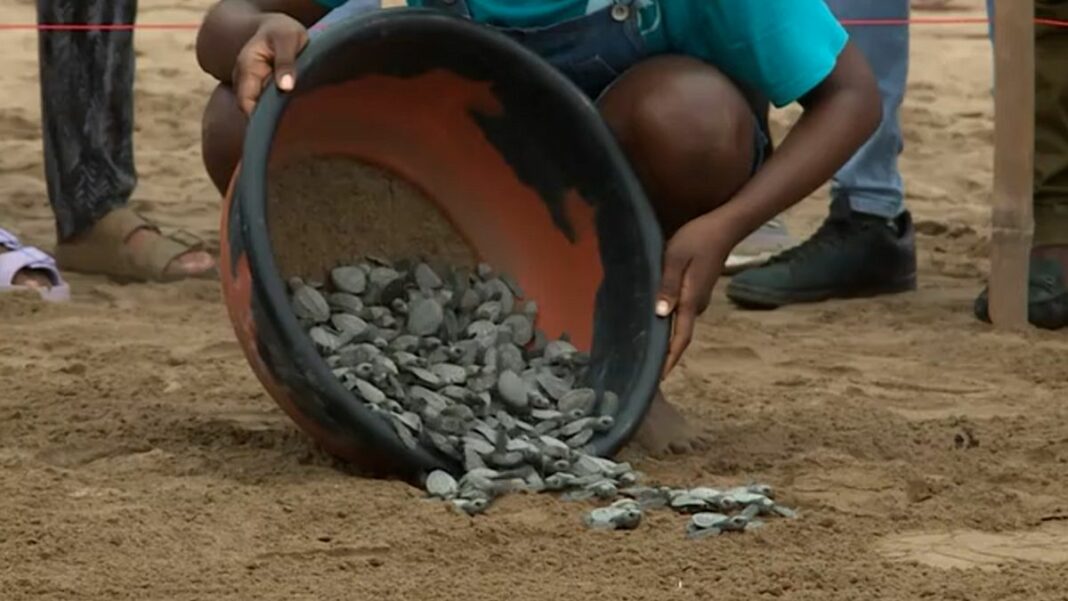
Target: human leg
[(1048, 279), (1051, 127), (651, 109), (868, 223), (86, 111), (223, 125), (87, 121)]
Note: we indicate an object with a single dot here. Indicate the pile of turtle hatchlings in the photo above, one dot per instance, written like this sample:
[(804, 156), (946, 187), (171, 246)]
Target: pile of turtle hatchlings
[(452, 360)]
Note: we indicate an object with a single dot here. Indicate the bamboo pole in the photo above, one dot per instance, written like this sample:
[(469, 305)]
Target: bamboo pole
[(1014, 149)]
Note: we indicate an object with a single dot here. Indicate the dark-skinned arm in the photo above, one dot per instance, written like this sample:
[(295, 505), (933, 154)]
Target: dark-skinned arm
[(839, 116), (841, 113), (230, 24)]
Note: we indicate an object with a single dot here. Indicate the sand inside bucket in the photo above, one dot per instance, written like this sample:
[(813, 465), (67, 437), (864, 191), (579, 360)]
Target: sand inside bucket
[(325, 211)]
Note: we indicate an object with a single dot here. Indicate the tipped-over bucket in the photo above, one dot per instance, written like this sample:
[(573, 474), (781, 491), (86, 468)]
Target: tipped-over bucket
[(520, 172)]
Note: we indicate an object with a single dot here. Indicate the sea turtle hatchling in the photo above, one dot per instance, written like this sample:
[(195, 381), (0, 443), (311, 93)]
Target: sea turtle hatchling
[(471, 507), (345, 302), (618, 516), (649, 497), (426, 278), (579, 399), (425, 316), (326, 341), (512, 389), (522, 328), (704, 524), (350, 326), (347, 278), (308, 303), (441, 484), (685, 502), (453, 361)]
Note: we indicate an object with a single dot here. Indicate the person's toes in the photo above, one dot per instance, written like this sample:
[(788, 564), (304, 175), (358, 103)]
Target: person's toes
[(701, 441), (192, 263), (693, 443), (32, 278), (679, 447)]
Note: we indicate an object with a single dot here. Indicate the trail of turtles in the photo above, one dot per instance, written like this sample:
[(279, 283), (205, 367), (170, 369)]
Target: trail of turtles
[(456, 364)]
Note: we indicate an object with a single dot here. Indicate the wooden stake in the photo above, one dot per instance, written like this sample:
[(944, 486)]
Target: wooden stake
[(1014, 150)]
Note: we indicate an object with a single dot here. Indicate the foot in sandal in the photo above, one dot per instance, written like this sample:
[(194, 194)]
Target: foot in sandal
[(128, 248), (29, 268)]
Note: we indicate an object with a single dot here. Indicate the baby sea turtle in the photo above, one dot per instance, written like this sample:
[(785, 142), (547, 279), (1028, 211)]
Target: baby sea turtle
[(425, 375), (441, 484), (471, 507), (609, 404), (560, 480), (352, 280), (614, 517), (469, 301), (489, 311), (684, 502), (559, 350), (512, 389), (581, 399), (580, 439), (426, 278), (503, 294), (603, 423), (425, 316), (308, 303), (706, 524), (404, 433), (345, 302), (326, 341), (369, 392), (352, 327), (553, 386), (649, 497), (380, 277), (449, 373), (522, 328)]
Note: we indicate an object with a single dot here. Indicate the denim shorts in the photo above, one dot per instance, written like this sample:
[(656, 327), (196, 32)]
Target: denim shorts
[(593, 51)]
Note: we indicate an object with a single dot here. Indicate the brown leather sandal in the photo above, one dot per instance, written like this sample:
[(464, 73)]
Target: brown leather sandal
[(103, 251)]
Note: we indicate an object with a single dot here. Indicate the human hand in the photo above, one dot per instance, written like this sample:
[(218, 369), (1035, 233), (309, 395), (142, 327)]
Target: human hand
[(272, 49), (693, 261)]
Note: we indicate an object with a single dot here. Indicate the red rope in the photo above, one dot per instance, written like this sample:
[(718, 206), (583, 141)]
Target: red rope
[(194, 26)]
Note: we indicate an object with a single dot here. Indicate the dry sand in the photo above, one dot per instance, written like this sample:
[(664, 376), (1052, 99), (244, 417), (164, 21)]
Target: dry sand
[(140, 459)]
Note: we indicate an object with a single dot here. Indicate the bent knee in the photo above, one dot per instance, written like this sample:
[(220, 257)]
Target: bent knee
[(222, 136), (683, 112)]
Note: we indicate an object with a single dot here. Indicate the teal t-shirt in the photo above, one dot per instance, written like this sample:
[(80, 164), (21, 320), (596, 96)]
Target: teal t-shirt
[(783, 48)]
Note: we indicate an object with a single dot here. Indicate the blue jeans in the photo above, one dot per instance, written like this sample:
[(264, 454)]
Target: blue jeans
[(871, 182), (592, 50), (990, 15)]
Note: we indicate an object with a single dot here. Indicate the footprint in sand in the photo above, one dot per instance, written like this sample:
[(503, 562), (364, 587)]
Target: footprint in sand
[(965, 549)]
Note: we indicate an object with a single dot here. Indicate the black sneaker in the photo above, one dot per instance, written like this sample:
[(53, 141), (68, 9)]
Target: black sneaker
[(1047, 296), (861, 255)]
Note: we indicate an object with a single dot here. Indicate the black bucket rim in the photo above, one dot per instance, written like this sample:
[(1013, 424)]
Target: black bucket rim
[(250, 191)]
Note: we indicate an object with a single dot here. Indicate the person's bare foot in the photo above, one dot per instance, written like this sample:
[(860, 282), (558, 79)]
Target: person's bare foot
[(33, 278), (190, 264), (665, 431)]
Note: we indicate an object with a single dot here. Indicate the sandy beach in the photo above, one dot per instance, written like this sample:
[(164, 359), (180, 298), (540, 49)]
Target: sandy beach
[(141, 459)]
